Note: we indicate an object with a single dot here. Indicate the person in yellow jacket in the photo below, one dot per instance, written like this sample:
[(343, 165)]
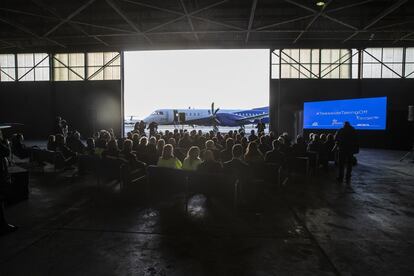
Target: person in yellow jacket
[(167, 158)]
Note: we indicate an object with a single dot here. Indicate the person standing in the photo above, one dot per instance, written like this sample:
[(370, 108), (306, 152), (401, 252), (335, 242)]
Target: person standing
[(153, 126), (347, 144), (4, 179)]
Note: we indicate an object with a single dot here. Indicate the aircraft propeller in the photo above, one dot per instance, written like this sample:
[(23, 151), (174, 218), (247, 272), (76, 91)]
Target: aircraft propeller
[(214, 119)]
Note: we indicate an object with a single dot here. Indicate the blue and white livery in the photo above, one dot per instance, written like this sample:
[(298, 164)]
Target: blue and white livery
[(209, 117)]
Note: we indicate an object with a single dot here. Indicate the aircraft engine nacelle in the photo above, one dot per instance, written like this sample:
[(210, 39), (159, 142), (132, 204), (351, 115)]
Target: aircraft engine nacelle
[(228, 119)]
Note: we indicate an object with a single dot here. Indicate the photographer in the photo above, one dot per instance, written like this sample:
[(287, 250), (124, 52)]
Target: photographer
[(4, 179)]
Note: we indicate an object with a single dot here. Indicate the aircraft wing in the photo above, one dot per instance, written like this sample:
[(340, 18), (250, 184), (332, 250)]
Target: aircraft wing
[(206, 121), (247, 120)]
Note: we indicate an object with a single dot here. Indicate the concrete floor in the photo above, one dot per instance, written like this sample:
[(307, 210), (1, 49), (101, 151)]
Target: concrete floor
[(318, 228)]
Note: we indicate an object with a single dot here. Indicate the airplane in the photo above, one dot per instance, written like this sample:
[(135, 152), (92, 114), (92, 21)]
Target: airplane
[(209, 117), (131, 120)]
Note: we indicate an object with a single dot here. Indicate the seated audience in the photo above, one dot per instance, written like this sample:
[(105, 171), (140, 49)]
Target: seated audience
[(160, 147), (90, 146), (76, 144), (253, 155), (283, 147), (217, 146), (129, 156), (135, 142), (314, 144), (299, 148), (167, 159), (111, 150), (185, 142), (51, 143), (209, 145), (210, 165), (57, 128), (69, 156), (286, 138), (136, 129), (180, 153), (275, 155), (244, 143), (252, 136), (192, 161), (236, 166), (263, 145), (101, 141), (141, 149), (151, 151), (65, 128), (226, 154), (18, 148)]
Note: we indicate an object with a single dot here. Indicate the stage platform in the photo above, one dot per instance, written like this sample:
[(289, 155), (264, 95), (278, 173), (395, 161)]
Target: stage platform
[(74, 227)]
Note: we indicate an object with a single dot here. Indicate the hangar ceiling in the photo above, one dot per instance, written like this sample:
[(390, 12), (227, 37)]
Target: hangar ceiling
[(57, 26)]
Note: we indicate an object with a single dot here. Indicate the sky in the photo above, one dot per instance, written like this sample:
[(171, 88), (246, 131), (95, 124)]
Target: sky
[(232, 79)]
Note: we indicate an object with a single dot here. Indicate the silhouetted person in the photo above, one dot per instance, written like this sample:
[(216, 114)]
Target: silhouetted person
[(287, 139), (314, 144), (260, 127), (90, 146), (69, 156), (141, 128), (299, 148), (263, 146), (252, 136), (210, 145), (103, 139), (226, 154), (65, 128), (283, 147), (135, 142), (160, 146), (75, 143), (347, 144), (111, 149), (185, 142), (253, 155), (244, 143), (167, 159), (151, 150), (192, 161), (129, 156), (57, 127), (236, 166), (51, 143), (18, 148), (135, 130), (275, 155), (4, 179), (153, 126), (141, 149), (178, 152), (210, 165)]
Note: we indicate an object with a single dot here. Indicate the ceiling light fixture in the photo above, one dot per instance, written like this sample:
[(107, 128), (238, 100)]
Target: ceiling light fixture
[(320, 3)]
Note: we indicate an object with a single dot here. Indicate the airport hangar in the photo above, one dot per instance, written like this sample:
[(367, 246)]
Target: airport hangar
[(348, 42), (66, 57)]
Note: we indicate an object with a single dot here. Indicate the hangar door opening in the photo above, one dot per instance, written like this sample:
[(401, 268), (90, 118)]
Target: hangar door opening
[(178, 88)]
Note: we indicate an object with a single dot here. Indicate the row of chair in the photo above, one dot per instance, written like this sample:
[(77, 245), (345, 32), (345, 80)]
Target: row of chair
[(104, 169)]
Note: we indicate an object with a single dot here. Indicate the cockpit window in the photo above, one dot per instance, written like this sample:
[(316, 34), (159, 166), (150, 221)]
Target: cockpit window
[(157, 113)]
